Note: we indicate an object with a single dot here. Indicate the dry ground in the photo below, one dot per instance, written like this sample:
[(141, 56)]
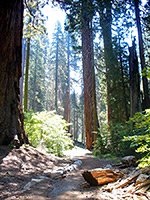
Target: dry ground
[(19, 166)]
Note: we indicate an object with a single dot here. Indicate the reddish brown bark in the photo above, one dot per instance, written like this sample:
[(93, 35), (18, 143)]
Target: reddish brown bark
[(90, 111), (11, 116)]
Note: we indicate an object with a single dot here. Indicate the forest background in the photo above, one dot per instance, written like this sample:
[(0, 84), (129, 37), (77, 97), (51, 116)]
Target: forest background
[(111, 113)]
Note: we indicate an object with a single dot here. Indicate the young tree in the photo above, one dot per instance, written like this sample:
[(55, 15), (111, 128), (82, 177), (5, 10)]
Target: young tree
[(59, 63), (23, 66), (74, 108), (27, 74), (67, 93), (33, 24), (11, 116), (37, 88)]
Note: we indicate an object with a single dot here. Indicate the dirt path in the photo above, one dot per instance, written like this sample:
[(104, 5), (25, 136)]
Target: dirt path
[(13, 181), (74, 186)]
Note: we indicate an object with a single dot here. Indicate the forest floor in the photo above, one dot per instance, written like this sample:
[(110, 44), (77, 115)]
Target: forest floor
[(25, 175)]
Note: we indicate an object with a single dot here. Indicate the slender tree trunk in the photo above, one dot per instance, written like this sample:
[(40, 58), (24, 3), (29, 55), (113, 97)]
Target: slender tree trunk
[(82, 125), (146, 102), (11, 115), (90, 109), (77, 125), (27, 76), (22, 78), (74, 124), (34, 107), (56, 77), (82, 119), (67, 96)]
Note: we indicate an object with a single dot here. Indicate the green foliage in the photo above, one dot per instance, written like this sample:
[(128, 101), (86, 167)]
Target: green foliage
[(47, 129), (34, 20), (140, 138), (122, 138), (101, 141), (111, 140), (39, 62), (117, 132)]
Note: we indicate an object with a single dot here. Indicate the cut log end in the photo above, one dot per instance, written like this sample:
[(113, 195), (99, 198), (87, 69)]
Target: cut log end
[(100, 176), (89, 178)]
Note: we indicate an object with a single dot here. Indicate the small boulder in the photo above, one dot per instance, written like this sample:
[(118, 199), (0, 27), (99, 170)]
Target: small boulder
[(129, 160)]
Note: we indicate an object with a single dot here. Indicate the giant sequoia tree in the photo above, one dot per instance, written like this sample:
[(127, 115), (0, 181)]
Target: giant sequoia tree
[(91, 122), (11, 117)]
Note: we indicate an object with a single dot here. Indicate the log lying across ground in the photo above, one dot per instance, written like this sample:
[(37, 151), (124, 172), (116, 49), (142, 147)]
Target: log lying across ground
[(134, 186), (101, 176)]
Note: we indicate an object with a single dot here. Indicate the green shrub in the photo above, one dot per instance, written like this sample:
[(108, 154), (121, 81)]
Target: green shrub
[(111, 140), (132, 137), (48, 130), (101, 141), (140, 138)]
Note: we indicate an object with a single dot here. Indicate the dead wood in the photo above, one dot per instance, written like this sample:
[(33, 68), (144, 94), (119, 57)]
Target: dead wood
[(143, 185), (133, 187), (145, 170), (141, 178), (128, 180), (122, 183), (101, 176)]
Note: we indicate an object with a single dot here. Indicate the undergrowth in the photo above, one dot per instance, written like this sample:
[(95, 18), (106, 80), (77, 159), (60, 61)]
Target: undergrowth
[(48, 131)]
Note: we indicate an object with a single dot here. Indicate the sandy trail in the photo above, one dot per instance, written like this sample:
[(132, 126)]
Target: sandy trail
[(33, 164)]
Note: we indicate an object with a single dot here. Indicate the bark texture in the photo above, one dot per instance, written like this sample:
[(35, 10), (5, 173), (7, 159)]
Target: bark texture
[(105, 22), (11, 116), (146, 103), (90, 110), (134, 81)]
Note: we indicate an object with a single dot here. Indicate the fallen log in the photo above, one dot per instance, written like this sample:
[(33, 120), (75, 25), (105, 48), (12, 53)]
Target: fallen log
[(128, 180), (101, 176), (123, 182)]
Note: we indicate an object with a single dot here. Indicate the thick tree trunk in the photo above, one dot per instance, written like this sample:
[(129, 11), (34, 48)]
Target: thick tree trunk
[(146, 103), (125, 102), (134, 81), (11, 116), (105, 22), (90, 110)]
